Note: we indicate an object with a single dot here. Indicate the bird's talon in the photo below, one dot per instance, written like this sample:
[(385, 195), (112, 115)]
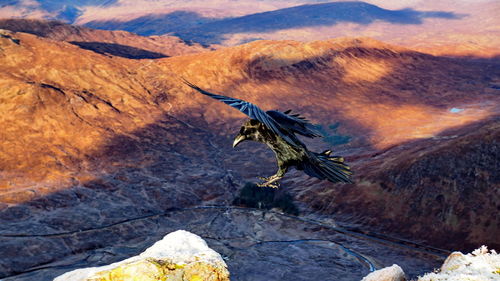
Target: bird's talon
[(267, 184), (263, 178)]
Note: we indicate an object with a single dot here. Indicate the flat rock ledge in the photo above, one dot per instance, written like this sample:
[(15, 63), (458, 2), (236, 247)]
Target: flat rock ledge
[(180, 255), (480, 265)]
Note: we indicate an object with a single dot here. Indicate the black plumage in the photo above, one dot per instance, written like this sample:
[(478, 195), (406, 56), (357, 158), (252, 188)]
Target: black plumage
[(278, 131)]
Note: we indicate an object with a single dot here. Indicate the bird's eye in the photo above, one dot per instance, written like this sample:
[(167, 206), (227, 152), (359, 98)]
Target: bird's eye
[(242, 130)]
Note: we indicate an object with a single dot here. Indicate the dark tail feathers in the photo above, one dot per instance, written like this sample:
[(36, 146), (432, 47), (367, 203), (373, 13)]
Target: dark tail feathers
[(326, 167)]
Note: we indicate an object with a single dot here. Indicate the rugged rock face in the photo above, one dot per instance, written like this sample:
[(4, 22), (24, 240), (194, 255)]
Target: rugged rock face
[(180, 255), (450, 180), (98, 147)]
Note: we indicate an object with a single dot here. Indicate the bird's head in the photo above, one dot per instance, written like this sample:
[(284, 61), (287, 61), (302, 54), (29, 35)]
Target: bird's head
[(251, 130)]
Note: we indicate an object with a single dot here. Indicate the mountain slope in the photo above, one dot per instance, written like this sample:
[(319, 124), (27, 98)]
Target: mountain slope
[(349, 80), (61, 117), (445, 187)]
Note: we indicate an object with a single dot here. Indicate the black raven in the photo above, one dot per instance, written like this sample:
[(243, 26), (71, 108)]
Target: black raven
[(277, 129)]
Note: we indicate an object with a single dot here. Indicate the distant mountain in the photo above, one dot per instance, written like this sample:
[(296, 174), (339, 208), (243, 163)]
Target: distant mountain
[(64, 10), (116, 43), (190, 26), (459, 28), (73, 11)]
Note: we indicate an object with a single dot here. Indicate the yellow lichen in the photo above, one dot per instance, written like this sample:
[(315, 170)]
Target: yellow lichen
[(162, 270), (195, 278)]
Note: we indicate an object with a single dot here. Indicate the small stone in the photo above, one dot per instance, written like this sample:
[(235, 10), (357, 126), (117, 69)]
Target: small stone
[(391, 273), (453, 261)]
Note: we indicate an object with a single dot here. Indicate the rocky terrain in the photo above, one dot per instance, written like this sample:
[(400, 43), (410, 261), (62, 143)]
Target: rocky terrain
[(103, 155), (255, 244)]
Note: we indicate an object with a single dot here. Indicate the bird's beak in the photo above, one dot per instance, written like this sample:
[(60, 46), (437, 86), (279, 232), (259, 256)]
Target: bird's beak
[(238, 139)]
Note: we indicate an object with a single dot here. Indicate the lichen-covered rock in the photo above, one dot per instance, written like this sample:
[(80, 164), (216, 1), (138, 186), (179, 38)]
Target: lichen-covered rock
[(480, 265), (180, 255), (391, 273)]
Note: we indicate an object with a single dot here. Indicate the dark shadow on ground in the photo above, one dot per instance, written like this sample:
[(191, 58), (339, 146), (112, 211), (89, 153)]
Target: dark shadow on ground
[(253, 196), (118, 50), (155, 24)]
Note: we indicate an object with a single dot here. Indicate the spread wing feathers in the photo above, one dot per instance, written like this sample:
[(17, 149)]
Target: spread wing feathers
[(252, 111), (294, 123), (323, 166)]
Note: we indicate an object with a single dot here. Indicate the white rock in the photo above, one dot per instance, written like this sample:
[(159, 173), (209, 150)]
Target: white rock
[(179, 247), (182, 247), (480, 265), (391, 273)]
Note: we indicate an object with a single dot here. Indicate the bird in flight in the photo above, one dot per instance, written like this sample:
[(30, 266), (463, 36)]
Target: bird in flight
[(277, 130)]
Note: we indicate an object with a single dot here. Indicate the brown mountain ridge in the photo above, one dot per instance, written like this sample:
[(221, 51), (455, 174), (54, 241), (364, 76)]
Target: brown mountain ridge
[(116, 43)]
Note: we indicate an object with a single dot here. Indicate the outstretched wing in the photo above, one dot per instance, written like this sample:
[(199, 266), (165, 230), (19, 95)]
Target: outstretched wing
[(252, 111), (294, 123)]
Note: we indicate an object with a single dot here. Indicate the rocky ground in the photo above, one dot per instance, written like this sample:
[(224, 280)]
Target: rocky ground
[(255, 244)]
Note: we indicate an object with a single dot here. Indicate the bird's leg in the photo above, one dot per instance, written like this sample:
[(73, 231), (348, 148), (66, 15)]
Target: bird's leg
[(272, 180)]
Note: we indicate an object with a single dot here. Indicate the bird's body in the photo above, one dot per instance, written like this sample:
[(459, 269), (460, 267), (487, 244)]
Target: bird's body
[(287, 155), (277, 130)]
